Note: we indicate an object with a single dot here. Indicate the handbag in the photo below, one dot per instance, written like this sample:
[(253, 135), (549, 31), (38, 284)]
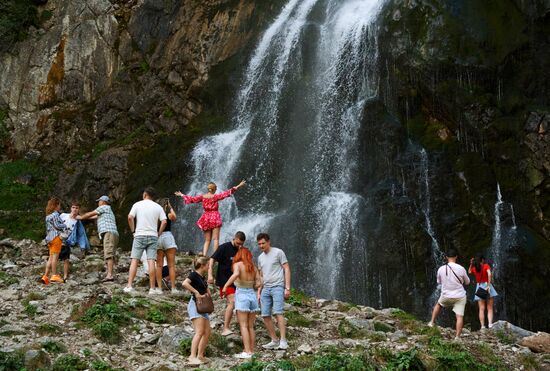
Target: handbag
[(482, 293), (205, 305), (64, 235)]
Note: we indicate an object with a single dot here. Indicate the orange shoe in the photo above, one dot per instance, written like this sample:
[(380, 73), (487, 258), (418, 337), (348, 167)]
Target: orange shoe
[(45, 280), (56, 278)]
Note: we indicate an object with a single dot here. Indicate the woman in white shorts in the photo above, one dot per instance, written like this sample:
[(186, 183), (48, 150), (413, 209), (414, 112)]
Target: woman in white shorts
[(167, 247)]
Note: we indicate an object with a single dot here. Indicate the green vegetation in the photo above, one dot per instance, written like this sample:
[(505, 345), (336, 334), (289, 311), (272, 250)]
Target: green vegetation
[(295, 318), (30, 310), (107, 331), (348, 330), (24, 189), (219, 345), (99, 365), (156, 316), (407, 360), (255, 365), (54, 347), (7, 279), (12, 361), (383, 327), (15, 18), (504, 337), (185, 347), (298, 298), (69, 362)]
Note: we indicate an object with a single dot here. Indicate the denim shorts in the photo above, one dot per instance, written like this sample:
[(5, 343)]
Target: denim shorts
[(492, 291), (167, 241), (192, 310), (246, 300), (147, 244), (272, 300)]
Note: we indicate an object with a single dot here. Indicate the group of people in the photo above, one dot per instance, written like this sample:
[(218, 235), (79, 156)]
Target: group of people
[(452, 278), (246, 287)]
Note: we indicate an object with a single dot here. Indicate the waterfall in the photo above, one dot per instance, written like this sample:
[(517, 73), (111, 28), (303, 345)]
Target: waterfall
[(496, 248), (294, 137), (438, 257)]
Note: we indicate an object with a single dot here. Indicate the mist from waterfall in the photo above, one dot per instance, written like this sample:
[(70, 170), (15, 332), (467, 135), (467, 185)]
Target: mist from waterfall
[(295, 138)]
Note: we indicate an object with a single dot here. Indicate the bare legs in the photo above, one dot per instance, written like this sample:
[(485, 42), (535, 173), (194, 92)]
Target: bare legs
[(160, 263), (110, 264), (133, 271), (200, 339), (207, 238), (246, 323), (171, 258), (52, 264), (65, 269), (459, 319), (486, 304), (228, 314), (270, 327), (211, 234)]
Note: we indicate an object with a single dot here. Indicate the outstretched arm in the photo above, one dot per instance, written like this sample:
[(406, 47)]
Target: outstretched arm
[(189, 199), (88, 215)]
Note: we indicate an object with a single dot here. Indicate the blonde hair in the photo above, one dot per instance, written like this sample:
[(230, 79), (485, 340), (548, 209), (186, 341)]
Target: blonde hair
[(52, 205), (213, 185), (201, 261)]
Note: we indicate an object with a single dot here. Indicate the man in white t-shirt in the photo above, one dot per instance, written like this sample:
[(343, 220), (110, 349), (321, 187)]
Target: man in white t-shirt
[(452, 277), (143, 220), (70, 221)]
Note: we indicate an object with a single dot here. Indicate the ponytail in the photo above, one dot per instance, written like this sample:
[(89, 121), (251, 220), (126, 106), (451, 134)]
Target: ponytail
[(477, 262)]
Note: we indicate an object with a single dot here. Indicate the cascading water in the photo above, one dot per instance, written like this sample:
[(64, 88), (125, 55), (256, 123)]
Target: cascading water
[(295, 139), (438, 256)]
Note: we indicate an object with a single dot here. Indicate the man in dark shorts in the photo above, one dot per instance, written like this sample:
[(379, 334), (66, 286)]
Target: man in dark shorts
[(224, 256)]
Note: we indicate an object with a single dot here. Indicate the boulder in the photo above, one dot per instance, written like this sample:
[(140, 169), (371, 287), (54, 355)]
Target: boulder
[(538, 343), (515, 331), (37, 360), (171, 338)]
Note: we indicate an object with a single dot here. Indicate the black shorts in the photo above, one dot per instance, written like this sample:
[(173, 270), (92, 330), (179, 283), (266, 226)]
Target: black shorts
[(65, 253)]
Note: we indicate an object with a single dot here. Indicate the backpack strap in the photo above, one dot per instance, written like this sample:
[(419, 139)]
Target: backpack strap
[(459, 280)]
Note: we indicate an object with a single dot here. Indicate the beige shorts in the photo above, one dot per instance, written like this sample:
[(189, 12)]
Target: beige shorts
[(458, 304), (110, 243)]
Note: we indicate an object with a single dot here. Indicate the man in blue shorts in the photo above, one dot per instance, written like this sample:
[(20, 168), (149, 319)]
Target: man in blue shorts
[(275, 271)]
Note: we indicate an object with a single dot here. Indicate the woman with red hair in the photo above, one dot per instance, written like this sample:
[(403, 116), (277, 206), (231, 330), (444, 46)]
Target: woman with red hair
[(246, 276)]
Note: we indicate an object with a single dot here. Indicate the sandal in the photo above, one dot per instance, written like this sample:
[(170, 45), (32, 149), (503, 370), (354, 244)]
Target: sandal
[(112, 279)]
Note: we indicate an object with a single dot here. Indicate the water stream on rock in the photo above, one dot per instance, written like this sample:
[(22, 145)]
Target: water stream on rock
[(295, 139)]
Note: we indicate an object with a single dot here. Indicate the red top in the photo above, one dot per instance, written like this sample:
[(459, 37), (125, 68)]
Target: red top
[(211, 218), (482, 276)]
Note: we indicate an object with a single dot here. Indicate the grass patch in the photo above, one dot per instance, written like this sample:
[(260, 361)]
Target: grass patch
[(12, 361), (347, 330), (504, 337), (48, 329), (184, 347), (296, 319), (219, 345), (99, 365), (298, 298), (54, 347), (255, 365), (33, 296), (402, 315), (528, 361), (383, 327), (107, 331), (30, 310), (69, 362), (156, 316), (7, 279), (407, 360)]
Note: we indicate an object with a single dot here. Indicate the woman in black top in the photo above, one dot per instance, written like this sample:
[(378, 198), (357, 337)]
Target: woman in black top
[(197, 285)]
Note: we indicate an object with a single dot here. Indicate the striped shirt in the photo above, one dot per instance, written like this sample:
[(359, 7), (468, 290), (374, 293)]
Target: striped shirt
[(105, 220), (54, 226)]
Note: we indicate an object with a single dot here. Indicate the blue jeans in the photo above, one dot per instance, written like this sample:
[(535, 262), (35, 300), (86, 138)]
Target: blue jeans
[(192, 310), (272, 300), (245, 300), (147, 243)]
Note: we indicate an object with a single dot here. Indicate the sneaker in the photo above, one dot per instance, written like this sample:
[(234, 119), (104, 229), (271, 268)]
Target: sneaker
[(283, 344), (483, 328), (431, 324), (243, 355), (56, 278), (45, 280), (490, 325), (129, 290), (175, 291), (271, 345), (155, 291), (194, 362)]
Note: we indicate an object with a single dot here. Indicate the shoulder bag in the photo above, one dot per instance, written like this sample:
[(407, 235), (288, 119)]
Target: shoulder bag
[(205, 305)]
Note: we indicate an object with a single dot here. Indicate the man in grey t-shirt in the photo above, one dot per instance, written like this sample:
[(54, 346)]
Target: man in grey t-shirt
[(273, 267)]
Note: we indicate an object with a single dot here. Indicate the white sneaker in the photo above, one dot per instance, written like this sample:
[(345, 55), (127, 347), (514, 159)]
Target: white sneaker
[(271, 345), (175, 291), (431, 324), (155, 291), (129, 290), (283, 344), (243, 355), (490, 325)]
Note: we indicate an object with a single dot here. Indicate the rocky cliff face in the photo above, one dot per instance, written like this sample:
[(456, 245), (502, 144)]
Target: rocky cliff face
[(103, 91)]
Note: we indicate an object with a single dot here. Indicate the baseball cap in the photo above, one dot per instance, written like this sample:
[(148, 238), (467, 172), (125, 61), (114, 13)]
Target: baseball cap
[(104, 198)]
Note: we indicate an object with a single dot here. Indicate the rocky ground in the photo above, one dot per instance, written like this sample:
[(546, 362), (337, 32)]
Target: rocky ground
[(85, 324)]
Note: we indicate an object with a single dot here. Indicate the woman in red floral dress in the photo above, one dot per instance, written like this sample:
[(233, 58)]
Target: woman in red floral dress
[(210, 222)]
